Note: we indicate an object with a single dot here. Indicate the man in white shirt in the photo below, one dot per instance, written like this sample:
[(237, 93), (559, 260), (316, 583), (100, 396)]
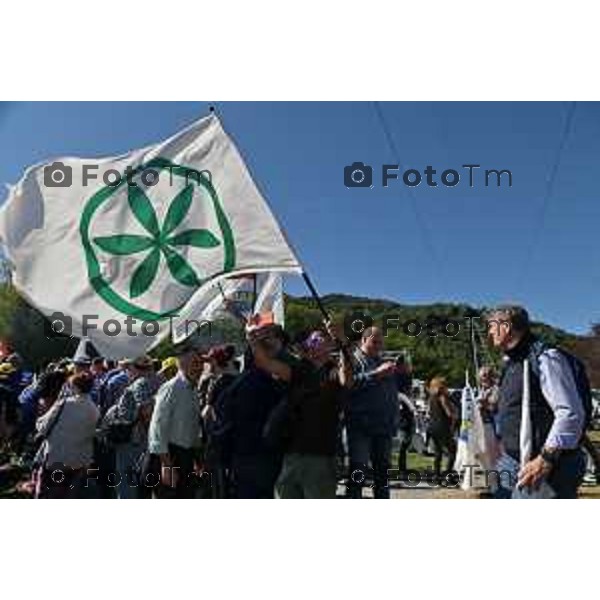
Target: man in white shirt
[(174, 432)]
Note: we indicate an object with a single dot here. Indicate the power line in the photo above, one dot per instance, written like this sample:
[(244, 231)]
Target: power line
[(548, 192), (426, 237)]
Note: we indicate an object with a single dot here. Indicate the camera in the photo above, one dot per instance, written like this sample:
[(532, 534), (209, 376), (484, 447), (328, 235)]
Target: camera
[(358, 175), (58, 175), (57, 325), (355, 324)]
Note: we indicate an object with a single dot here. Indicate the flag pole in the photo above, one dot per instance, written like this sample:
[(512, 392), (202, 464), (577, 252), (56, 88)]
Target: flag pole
[(254, 292), (315, 295), (474, 353), (326, 316)]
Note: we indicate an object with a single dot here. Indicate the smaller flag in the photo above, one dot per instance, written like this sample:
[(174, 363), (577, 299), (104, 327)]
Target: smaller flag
[(246, 298)]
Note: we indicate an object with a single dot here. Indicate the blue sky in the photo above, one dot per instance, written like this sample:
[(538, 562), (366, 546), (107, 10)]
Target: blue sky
[(479, 245)]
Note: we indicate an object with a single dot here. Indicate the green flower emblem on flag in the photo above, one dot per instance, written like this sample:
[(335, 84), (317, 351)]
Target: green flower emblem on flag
[(160, 242)]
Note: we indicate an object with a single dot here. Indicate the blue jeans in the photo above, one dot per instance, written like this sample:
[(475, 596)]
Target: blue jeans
[(363, 447), (127, 457), (562, 483)]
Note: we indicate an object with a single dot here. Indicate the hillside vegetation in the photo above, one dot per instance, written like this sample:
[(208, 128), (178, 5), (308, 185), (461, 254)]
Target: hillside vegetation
[(447, 353), (441, 354)]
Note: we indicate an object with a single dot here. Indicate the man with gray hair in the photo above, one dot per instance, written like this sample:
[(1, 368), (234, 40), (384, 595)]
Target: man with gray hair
[(372, 415), (554, 465), (174, 432)]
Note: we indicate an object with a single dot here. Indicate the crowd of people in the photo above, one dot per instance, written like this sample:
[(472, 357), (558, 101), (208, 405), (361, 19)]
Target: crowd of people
[(277, 421)]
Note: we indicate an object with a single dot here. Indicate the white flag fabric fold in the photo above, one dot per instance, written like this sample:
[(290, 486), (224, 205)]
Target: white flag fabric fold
[(525, 433), (270, 298), (543, 490), (239, 297), (134, 237)]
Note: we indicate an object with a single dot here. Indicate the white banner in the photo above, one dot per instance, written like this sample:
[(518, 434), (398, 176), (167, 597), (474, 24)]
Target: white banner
[(239, 297)]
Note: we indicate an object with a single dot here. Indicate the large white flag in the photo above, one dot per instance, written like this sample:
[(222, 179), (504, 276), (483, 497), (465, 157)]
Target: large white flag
[(121, 244)]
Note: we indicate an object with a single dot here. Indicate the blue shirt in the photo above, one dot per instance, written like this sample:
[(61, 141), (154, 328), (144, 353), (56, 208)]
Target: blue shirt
[(243, 412), (373, 402), (28, 400), (115, 385), (560, 391)]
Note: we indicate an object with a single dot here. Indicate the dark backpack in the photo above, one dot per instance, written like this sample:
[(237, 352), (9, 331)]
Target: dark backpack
[(580, 376)]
